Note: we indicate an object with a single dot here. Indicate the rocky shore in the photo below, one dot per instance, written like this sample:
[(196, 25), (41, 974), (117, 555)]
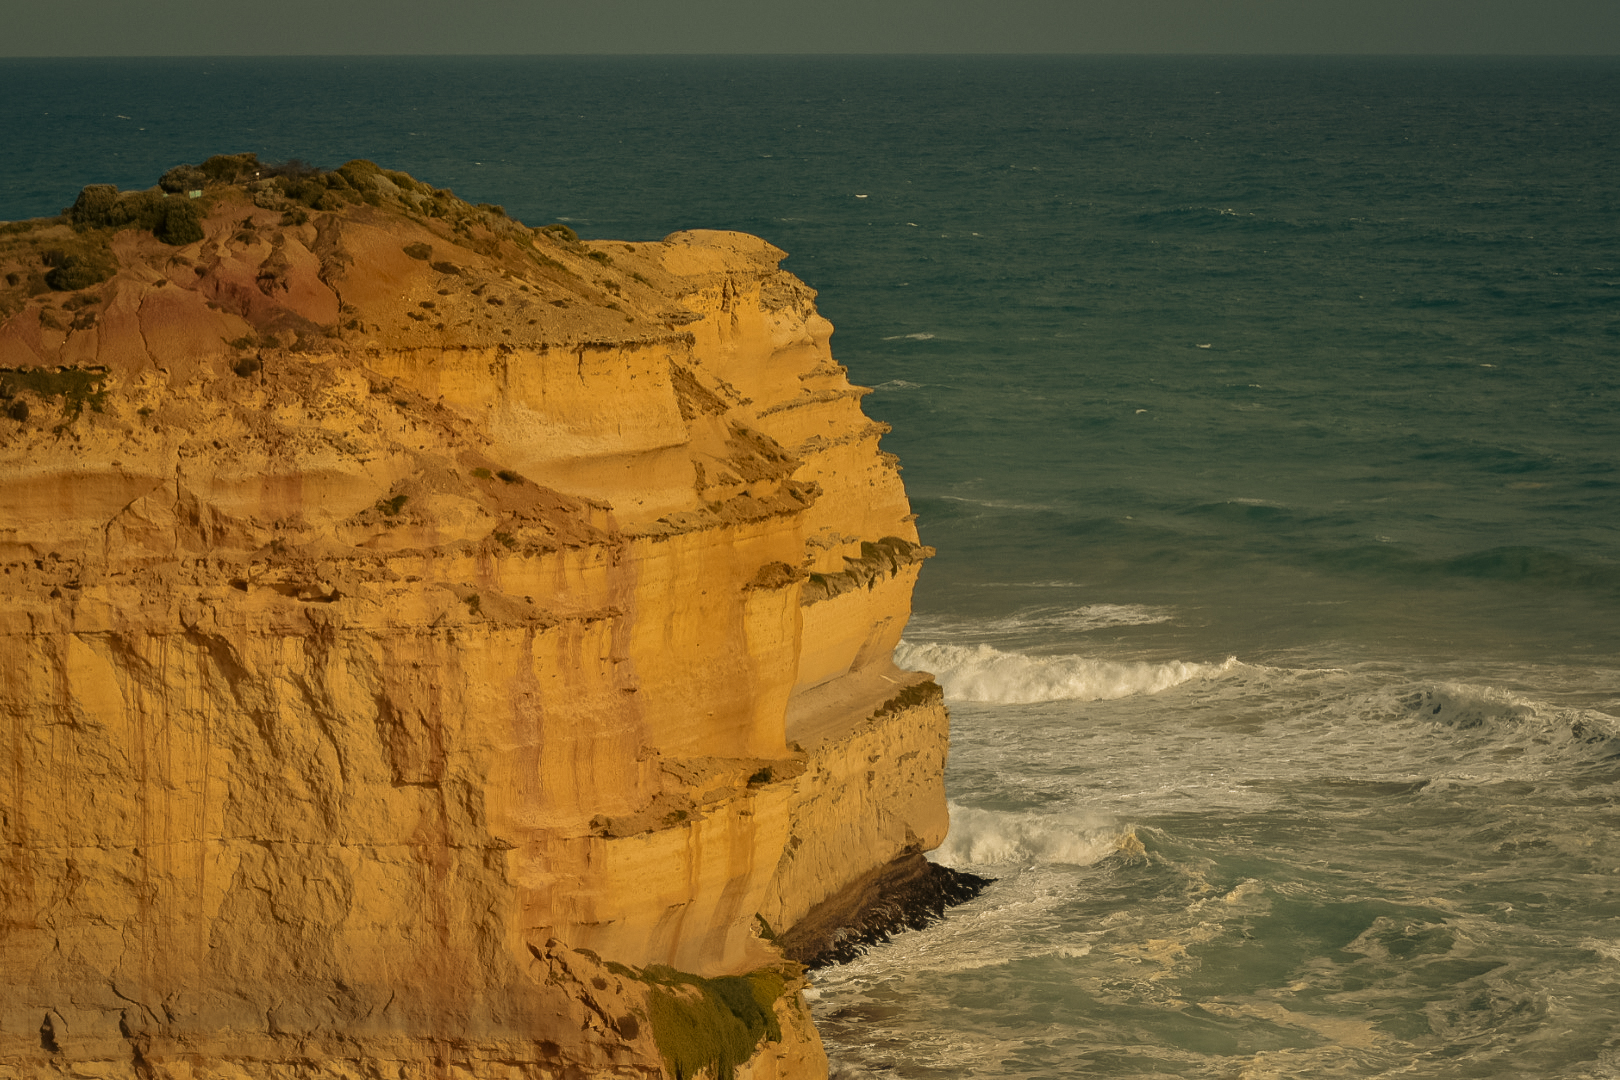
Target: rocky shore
[(435, 646)]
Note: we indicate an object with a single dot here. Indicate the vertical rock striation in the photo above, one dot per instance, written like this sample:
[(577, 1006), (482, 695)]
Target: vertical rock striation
[(430, 645)]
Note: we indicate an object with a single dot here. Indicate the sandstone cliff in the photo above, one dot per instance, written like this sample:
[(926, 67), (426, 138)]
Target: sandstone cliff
[(425, 639)]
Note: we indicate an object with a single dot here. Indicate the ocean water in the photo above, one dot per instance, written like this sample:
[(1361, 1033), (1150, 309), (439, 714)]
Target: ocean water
[(1265, 413)]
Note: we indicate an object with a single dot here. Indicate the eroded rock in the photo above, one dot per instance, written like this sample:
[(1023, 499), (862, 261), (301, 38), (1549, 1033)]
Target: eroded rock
[(416, 626)]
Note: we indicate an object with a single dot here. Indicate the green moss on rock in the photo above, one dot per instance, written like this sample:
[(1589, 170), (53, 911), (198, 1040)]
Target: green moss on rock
[(712, 1025), (77, 387)]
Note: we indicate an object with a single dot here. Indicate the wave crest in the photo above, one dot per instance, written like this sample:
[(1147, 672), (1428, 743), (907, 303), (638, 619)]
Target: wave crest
[(1505, 716), (984, 673), (1000, 837)]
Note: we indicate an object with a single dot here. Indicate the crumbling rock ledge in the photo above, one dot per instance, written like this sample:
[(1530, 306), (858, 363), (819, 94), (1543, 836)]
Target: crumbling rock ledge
[(909, 893), (431, 645)]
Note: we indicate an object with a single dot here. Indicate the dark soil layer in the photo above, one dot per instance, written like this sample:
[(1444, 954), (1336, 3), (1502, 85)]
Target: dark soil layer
[(907, 894)]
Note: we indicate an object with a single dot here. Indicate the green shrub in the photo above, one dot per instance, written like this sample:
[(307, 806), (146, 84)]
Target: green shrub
[(303, 189), (181, 223), (361, 175), (359, 171), (711, 1024), (560, 232), (68, 273), (173, 220), (183, 178), (96, 205), (145, 209), (232, 168)]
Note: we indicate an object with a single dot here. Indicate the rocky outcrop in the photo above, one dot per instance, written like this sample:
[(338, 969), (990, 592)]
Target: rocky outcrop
[(431, 645)]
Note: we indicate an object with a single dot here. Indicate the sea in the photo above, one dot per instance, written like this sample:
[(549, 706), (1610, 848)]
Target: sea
[(1265, 414)]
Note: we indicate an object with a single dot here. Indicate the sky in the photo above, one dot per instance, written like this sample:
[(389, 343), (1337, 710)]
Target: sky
[(466, 27)]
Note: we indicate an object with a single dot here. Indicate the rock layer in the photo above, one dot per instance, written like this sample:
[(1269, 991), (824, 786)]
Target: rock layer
[(417, 625)]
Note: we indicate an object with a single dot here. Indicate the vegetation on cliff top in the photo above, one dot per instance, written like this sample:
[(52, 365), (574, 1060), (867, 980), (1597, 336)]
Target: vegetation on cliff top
[(73, 251)]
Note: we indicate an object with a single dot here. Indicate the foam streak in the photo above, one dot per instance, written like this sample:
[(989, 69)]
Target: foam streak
[(984, 673)]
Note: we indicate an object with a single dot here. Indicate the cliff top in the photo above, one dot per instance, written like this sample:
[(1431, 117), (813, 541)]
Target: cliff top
[(358, 257), (275, 364)]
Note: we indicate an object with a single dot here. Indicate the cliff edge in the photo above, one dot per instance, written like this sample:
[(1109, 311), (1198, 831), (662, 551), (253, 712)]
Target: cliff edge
[(430, 645)]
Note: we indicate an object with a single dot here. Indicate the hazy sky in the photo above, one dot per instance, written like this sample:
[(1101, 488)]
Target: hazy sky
[(310, 27)]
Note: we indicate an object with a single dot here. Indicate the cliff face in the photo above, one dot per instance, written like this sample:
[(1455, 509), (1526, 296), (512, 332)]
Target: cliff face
[(416, 626)]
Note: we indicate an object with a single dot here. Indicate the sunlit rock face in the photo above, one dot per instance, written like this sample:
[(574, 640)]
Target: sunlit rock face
[(415, 625)]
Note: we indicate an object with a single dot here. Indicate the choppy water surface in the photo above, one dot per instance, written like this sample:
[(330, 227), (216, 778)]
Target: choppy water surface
[(1257, 872), (1266, 416)]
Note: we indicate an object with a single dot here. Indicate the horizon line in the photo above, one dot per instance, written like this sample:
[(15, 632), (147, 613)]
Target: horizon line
[(872, 54)]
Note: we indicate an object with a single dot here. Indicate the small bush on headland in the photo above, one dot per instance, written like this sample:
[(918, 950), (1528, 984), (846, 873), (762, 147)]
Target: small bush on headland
[(219, 169), (70, 272), (181, 223), (102, 206), (183, 178)]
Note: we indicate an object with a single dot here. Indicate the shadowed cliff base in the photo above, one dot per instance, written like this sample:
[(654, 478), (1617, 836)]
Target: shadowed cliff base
[(909, 893)]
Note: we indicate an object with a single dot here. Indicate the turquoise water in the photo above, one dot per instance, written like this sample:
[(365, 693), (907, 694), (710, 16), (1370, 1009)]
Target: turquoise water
[(1266, 416)]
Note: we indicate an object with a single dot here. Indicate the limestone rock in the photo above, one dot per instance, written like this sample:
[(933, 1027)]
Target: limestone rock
[(416, 625)]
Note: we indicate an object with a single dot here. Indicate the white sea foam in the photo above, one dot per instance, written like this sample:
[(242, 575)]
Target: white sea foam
[(1039, 620), (899, 384), (909, 337), (1463, 706), (998, 837), (1031, 585), (1492, 717), (985, 673), (1089, 617), (1609, 950), (994, 504)]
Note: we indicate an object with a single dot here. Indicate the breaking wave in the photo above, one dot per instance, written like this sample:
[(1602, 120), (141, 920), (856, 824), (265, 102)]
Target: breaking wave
[(997, 838), (1507, 718), (984, 673)]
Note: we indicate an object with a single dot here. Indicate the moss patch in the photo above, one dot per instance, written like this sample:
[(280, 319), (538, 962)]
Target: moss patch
[(711, 1024), (77, 387)]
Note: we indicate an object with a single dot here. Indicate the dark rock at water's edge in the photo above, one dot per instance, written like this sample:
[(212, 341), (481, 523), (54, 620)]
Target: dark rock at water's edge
[(908, 894)]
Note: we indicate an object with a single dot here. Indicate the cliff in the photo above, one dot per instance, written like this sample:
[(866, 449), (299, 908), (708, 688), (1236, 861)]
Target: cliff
[(432, 645)]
